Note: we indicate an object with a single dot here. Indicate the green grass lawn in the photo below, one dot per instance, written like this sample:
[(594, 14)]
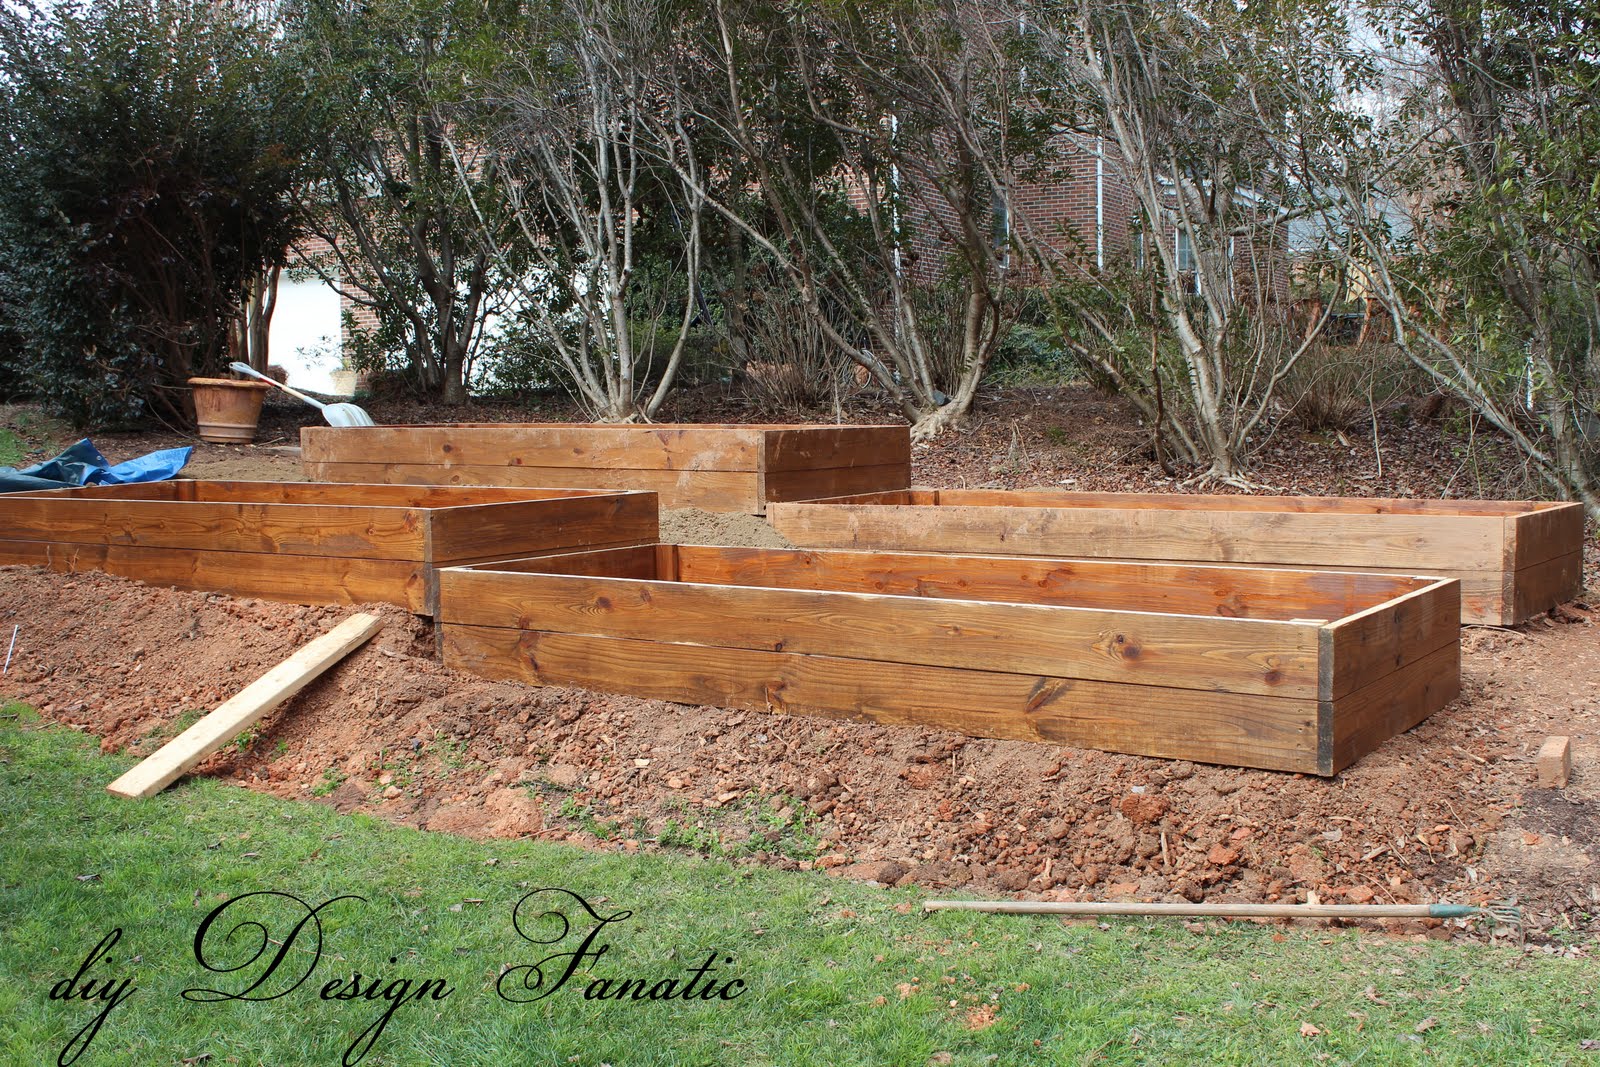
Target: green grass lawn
[(24, 430), (832, 972)]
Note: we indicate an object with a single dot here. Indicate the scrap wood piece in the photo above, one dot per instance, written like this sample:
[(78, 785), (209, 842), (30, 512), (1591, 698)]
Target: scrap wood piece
[(238, 713)]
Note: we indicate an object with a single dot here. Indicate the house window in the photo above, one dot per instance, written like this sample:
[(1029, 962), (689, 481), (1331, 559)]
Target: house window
[(1000, 227), (1186, 260)]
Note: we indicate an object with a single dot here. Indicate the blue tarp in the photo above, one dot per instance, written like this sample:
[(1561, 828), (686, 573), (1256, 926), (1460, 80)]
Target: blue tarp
[(82, 464)]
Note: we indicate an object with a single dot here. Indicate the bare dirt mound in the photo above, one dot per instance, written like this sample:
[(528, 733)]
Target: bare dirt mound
[(692, 526), (1447, 811)]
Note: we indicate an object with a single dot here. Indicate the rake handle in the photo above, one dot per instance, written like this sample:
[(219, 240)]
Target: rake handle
[(245, 368), (1315, 911)]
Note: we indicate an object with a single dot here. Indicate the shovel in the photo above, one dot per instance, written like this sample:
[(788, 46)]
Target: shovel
[(336, 414)]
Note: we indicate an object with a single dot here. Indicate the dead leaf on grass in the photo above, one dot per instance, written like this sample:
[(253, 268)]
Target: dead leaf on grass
[(982, 1017), (1425, 1025), (1308, 1030)]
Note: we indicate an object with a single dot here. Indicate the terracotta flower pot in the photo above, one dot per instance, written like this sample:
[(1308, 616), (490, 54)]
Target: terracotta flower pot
[(227, 411)]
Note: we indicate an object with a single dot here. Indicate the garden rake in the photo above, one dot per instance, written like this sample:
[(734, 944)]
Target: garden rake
[(1504, 913)]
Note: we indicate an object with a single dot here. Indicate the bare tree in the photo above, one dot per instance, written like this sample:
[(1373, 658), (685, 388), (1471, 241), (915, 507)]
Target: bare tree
[(1474, 219), (401, 227), (1216, 116), (864, 139), (570, 124)]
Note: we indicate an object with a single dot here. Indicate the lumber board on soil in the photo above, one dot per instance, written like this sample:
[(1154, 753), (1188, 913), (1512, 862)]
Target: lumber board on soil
[(627, 561), (1267, 732), (237, 714), (1341, 505), (1283, 538)]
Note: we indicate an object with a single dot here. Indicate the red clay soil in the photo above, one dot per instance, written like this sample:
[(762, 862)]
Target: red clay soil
[(1449, 811)]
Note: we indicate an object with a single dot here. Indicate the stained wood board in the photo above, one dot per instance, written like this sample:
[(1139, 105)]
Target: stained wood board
[(709, 490), (249, 706), (1248, 656), (292, 579)]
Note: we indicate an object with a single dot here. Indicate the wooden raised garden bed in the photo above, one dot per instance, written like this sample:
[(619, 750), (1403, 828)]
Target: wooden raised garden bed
[(718, 468), (1514, 558), (307, 543), (1286, 670)]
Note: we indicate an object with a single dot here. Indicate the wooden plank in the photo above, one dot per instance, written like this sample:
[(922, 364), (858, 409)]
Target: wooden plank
[(1175, 651), (1372, 644), (532, 445), (626, 556), (887, 496), (711, 490), (631, 559), (539, 526), (1237, 729), (1539, 588), (813, 525), (174, 489), (293, 579), (831, 481), (1483, 596), (1235, 592), (800, 448), (1343, 505), (230, 718), (292, 529), (1410, 542), (1551, 531), (347, 494), (618, 561), (1361, 721)]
